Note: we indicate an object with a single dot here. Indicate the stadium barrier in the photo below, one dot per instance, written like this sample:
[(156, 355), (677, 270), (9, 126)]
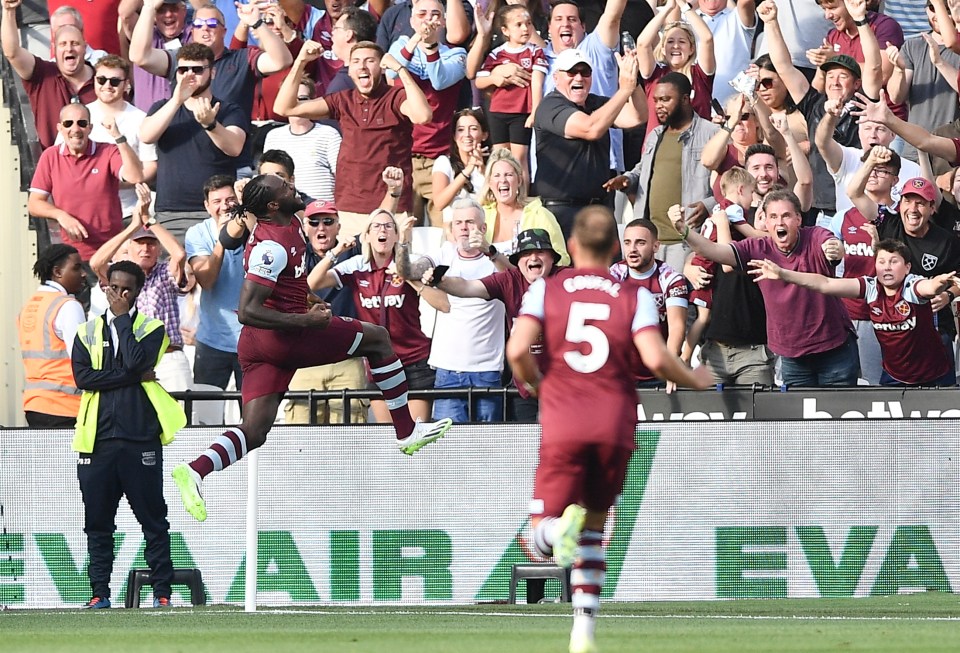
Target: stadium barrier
[(829, 508)]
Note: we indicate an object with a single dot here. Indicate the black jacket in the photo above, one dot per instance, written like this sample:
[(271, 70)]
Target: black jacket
[(125, 411)]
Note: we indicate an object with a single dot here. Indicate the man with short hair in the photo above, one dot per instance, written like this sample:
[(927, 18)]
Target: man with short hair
[(669, 171), (811, 357), (467, 346), (49, 84), (111, 82), (438, 70), (669, 289), (67, 15), (313, 146), (193, 126), (220, 274), (280, 336), (124, 421), (588, 403), (353, 26), (76, 183), (237, 71), (322, 226), (572, 126), (376, 121)]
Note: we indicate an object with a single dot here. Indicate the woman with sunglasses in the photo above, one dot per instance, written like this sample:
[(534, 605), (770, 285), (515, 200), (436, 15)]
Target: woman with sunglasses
[(382, 297), (460, 174), (743, 123), (773, 94), (683, 47)]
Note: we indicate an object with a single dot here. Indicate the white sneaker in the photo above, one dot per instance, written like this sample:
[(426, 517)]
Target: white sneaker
[(423, 434), (566, 539), (188, 482)]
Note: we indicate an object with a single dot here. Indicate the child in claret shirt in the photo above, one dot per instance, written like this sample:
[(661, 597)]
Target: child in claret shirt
[(511, 106)]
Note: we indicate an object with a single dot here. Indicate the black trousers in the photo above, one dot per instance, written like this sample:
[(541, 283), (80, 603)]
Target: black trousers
[(37, 420), (135, 469)]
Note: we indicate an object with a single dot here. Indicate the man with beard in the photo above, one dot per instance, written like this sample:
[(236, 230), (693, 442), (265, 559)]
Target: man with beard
[(376, 121), (219, 272), (812, 357), (170, 32), (572, 126), (534, 259), (281, 335), (669, 289), (843, 78), (237, 71), (670, 171), (49, 84), (198, 135)]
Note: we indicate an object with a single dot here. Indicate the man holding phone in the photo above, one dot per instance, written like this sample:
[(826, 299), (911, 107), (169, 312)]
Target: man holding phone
[(467, 346)]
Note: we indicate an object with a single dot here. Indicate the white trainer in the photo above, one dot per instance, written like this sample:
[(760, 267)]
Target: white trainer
[(423, 434), (582, 642)]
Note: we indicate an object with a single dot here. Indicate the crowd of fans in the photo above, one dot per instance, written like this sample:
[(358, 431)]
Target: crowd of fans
[(743, 147)]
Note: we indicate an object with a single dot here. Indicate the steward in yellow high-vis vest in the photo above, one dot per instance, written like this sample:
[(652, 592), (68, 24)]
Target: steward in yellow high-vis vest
[(125, 419), (46, 327)]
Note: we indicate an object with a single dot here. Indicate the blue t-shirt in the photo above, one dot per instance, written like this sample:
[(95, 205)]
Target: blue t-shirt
[(219, 327)]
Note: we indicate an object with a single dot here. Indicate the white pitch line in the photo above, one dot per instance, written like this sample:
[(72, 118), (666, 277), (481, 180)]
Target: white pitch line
[(465, 613)]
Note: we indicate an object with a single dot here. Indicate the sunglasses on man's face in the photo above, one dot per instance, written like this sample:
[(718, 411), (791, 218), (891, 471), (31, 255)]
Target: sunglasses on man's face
[(327, 222), (583, 71), (114, 81), (196, 70), (81, 123), (212, 23)]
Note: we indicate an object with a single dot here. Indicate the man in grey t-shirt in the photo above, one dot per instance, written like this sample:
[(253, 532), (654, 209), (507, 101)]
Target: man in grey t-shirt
[(922, 67)]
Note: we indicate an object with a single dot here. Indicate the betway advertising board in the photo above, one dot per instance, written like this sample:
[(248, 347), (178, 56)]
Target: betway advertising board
[(844, 508)]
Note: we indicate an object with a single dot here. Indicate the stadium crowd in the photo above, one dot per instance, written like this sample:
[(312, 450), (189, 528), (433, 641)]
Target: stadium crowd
[(748, 151)]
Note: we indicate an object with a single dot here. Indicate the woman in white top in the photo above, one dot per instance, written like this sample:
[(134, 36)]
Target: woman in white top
[(461, 173)]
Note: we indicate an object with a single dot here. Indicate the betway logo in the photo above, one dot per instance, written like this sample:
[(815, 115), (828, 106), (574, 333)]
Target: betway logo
[(692, 416), (390, 301), (906, 325), (858, 249), (878, 410)]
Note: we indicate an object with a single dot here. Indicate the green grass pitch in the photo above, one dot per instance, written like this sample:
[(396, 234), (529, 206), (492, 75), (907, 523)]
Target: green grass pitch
[(925, 623)]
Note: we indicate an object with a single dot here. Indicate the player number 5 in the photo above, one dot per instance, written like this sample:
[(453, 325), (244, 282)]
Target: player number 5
[(579, 331)]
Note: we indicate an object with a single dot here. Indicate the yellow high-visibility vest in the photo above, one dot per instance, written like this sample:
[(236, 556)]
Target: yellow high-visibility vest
[(169, 412)]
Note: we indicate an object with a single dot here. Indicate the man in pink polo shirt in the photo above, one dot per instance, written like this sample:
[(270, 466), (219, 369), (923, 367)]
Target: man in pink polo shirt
[(76, 183)]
